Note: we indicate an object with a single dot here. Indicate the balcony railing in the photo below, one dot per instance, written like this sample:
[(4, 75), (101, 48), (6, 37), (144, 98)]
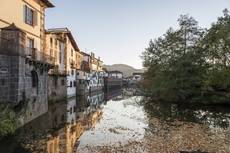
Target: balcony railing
[(34, 54), (57, 71), (11, 48)]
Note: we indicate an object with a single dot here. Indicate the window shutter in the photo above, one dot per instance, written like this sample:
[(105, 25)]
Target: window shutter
[(35, 17), (25, 13)]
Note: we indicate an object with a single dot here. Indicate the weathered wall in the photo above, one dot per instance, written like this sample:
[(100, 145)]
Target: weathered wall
[(57, 89), (8, 78), (16, 86), (38, 99)]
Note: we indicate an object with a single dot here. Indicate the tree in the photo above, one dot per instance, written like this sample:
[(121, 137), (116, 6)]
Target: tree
[(217, 45), (175, 62), (190, 64)]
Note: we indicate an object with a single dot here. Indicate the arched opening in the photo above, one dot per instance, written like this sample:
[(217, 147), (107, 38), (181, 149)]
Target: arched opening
[(34, 76)]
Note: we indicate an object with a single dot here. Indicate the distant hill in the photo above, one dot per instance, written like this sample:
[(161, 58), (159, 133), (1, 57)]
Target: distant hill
[(125, 69)]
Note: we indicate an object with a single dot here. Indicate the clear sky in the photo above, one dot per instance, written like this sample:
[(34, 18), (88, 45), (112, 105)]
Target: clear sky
[(119, 30)]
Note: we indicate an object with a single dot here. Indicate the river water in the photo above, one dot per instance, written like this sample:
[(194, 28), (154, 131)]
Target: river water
[(117, 122)]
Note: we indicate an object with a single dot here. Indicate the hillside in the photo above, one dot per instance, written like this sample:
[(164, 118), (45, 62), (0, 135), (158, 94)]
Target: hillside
[(125, 69)]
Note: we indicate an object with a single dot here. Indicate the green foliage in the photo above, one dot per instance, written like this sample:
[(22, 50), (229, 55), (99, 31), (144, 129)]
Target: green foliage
[(8, 122), (189, 64)]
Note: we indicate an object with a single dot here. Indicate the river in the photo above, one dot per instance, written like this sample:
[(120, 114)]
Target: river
[(118, 122)]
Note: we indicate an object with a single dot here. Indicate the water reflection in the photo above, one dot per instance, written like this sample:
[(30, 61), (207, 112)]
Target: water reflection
[(59, 129), (115, 122), (213, 116)]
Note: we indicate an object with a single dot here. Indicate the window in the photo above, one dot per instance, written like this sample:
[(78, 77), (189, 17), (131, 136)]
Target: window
[(51, 41), (34, 79), (60, 57), (74, 109), (56, 43), (63, 82), (30, 16), (74, 83), (71, 52), (71, 110), (71, 84)]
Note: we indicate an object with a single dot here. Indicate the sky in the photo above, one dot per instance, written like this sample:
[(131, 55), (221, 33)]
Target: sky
[(118, 31)]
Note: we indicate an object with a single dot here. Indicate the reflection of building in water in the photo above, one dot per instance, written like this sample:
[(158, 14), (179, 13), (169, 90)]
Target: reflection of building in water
[(81, 115), (113, 80), (71, 111), (59, 130), (93, 118), (66, 139), (96, 99), (113, 95), (88, 103)]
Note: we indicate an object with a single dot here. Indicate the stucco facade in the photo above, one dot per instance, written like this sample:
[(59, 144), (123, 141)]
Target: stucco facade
[(12, 11), (61, 45)]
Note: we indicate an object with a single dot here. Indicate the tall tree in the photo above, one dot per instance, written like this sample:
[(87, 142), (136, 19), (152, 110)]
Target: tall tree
[(175, 62), (217, 45)]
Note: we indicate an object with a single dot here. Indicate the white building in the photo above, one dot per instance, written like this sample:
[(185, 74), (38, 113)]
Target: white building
[(115, 74)]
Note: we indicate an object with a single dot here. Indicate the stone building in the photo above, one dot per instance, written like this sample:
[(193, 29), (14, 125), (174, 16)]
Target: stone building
[(23, 63)]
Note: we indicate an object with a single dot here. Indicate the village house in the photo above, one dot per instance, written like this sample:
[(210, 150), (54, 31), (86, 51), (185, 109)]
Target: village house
[(83, 74), (61, 45), (97, 77), (96, 63), (24, 64), (90, 76)]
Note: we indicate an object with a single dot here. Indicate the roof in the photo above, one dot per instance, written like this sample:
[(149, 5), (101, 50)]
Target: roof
[(66, 31), (84, 53), (48, 3), (12, 27)]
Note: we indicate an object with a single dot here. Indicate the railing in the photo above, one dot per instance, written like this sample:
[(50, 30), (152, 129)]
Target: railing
[(34, 54), (12, 48), (57, 71)]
